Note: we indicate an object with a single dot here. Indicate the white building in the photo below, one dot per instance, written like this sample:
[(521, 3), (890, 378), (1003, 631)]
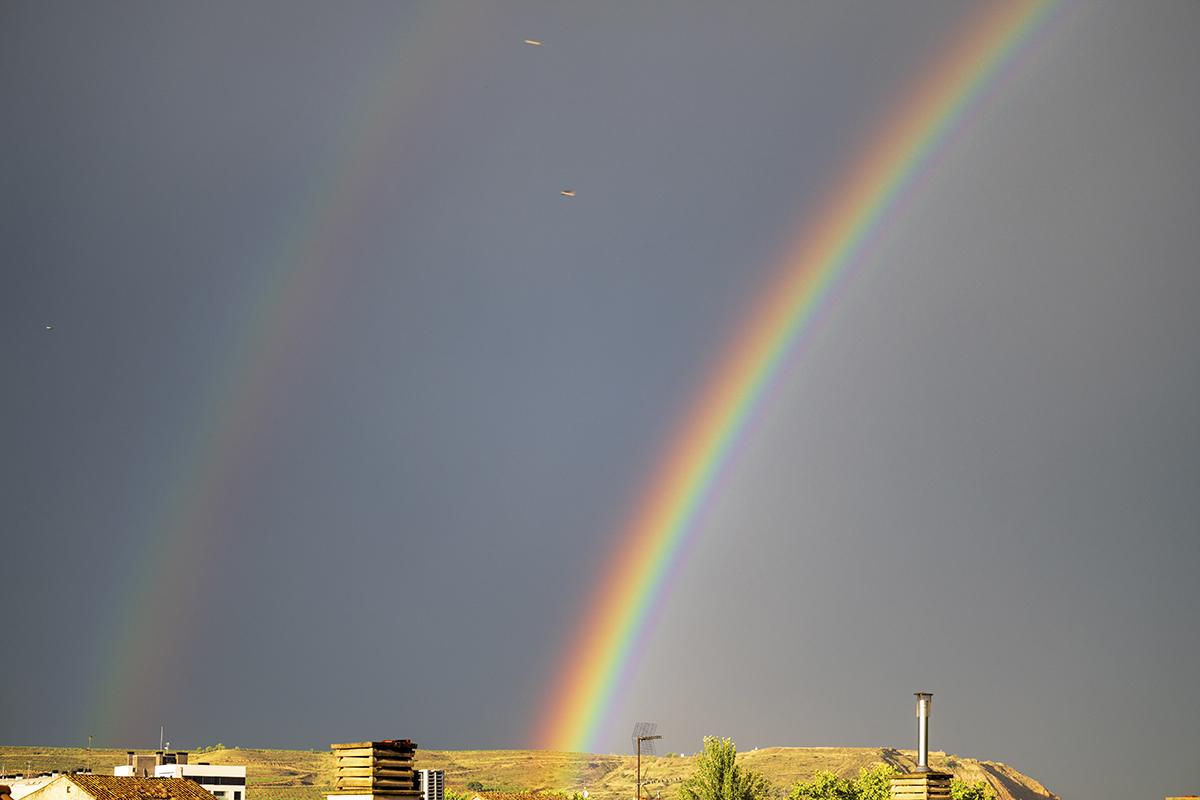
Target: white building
[(224, 781), (433, 784)]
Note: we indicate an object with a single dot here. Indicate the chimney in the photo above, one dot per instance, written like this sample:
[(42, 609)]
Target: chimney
[(129, 758), (181, 757), (922, 783), (924, 701)]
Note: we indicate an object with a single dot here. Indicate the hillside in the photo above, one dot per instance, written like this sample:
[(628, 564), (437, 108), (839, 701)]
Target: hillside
[(305, 775)]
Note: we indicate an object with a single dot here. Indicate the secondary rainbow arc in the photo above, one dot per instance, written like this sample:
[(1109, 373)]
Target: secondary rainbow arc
[(397, 107)]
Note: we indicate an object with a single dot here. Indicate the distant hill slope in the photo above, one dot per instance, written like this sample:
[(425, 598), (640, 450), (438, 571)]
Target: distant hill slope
[(304, 775)]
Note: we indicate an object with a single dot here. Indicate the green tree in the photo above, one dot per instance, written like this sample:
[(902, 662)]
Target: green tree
[(718, 776), (824, 786), (871, 784), (876, 783), (979, 790)]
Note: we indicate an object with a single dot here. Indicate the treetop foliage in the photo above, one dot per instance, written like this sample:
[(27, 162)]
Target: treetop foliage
[(979, 790), (875, 784), (872, 784), (719, 777)]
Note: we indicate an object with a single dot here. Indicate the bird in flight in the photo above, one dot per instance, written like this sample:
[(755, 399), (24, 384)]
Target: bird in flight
[(531, 41), (569, 192)]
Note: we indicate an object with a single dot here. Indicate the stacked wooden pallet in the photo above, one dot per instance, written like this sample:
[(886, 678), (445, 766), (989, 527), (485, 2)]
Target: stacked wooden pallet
[(921, 786), (376, 768)]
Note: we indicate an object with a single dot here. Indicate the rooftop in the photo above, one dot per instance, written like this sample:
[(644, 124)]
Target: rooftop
[(121, 787)]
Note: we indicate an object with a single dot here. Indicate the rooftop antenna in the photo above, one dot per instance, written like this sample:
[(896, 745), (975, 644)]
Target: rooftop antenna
[(643, 732), (160, 737)]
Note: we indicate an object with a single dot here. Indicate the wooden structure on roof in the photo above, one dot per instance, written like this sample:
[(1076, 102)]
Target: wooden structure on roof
[(377, 769), (921, 786)]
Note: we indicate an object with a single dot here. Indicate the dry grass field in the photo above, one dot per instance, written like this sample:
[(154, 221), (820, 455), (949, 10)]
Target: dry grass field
[(305, 775)]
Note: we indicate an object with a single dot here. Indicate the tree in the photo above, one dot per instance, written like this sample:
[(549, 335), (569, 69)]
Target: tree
[(875, 784), (871, 784), (824, 786), (979, 790), (718, 776)]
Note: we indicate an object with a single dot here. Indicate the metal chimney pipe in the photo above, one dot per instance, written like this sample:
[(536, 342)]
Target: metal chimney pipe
[(924, 701)]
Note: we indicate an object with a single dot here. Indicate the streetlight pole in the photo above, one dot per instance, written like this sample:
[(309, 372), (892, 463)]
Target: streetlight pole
[(638, 788)]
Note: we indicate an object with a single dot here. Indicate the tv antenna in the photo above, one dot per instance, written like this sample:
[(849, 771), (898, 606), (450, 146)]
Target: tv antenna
[(643, 732)]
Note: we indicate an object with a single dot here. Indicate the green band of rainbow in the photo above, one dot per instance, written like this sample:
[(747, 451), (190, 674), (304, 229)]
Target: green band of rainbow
[(602, 658)]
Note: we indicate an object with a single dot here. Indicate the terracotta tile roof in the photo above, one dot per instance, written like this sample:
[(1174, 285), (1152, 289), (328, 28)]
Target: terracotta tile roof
[(121, 787)]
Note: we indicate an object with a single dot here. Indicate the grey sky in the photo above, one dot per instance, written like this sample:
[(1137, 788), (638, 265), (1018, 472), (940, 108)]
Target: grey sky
[(982, 480)]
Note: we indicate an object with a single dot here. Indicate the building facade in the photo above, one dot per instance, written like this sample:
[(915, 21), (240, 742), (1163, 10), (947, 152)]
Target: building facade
[(223, 781), (433, 784)]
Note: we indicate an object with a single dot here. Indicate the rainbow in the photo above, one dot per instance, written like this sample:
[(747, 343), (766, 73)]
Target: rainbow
[(296, 285), (600, 661)]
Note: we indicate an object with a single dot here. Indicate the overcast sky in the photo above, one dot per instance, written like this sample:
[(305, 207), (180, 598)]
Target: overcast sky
[(322, 406)]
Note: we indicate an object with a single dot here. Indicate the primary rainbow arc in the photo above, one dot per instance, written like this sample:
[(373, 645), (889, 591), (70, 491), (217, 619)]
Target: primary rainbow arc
[(601, 660)]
